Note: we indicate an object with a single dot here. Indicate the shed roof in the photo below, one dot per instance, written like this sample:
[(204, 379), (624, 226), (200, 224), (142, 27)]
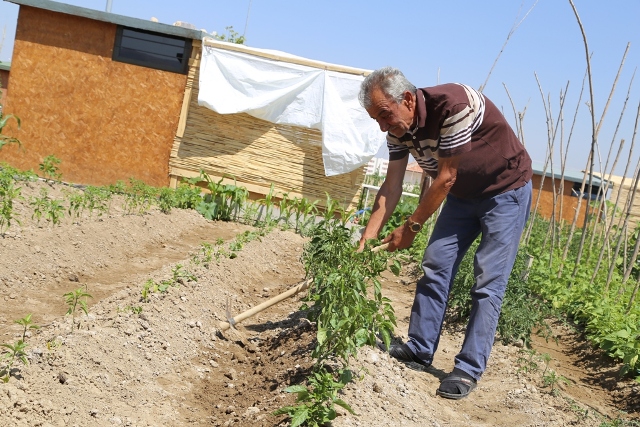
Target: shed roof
[(569, 175), (113, 18), (414, 167), (6, 66)]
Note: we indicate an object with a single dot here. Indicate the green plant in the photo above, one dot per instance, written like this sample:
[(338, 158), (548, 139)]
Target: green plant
[(350, 311), (8, 194), (232, 36), (223, 201), (139, 197), (317, 400), (207, 252), (180, 275), (26, 324), (134, 309), (529, 361), (96, 199), (49, 168), (13, 353), (44, 205), (551, 379), (76, 203), (4, 139), (147, 289), (74, 299), (285, 206), (268, 203)]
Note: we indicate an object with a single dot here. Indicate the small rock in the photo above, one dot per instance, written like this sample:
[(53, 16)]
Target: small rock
[(251, 411), (62, 377)]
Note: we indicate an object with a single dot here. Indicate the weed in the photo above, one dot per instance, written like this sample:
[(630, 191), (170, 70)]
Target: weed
[(49, 168), (74, 299), (178, 276)]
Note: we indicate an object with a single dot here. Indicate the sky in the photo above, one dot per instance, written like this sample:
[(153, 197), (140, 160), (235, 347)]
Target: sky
[(452, 41)]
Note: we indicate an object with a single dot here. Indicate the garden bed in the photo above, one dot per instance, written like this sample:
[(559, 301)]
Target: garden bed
[(161, 362)]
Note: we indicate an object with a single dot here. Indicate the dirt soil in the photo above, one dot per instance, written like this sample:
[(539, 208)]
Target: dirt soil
[(169, 366)]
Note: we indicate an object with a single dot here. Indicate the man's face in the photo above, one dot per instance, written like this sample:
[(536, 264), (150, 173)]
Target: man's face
[(395, 118)]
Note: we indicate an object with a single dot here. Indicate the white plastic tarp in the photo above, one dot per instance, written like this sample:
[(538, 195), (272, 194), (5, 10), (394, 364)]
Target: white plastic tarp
[(289, 93)]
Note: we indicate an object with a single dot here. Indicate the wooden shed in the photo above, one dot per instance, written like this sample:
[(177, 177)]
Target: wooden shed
[(5, 67), (89, 93), (568, 187), (621, 193)]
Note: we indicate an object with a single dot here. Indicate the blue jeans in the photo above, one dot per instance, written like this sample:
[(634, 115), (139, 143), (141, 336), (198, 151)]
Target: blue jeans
[(500, 220)]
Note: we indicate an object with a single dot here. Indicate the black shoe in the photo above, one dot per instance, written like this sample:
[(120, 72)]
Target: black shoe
[(403, 354)]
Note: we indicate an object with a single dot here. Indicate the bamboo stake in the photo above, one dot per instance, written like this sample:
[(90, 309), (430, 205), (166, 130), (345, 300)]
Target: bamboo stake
[(511, 31), (629, 207), (633, 295), (593, 141), (601, 204), (564, 162)]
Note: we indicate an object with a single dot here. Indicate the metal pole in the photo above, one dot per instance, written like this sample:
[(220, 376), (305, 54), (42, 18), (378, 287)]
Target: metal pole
[(108, 9)]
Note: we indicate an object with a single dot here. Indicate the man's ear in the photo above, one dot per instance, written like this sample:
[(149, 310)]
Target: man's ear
[(408, 100)]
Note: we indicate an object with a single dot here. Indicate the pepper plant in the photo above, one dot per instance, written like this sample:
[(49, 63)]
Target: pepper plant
[(346, 316)]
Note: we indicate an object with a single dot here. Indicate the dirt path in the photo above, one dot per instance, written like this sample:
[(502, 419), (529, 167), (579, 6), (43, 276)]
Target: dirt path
[(166, 366)]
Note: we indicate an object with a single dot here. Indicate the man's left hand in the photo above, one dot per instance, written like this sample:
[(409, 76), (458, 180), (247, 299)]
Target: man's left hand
[(400, 238)]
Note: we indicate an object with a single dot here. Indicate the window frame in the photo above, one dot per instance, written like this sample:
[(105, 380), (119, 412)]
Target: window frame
[(117, 56)]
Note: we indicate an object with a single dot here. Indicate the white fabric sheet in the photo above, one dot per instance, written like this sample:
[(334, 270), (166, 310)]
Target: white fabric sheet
[(292, 94)]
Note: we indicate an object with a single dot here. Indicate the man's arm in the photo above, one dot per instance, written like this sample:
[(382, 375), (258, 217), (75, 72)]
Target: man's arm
[(386, 199), (402, 237)]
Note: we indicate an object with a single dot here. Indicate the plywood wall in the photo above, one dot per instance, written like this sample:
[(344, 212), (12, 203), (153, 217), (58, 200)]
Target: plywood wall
[(256, 153), (105, 120), (4, 82), (544, 199)]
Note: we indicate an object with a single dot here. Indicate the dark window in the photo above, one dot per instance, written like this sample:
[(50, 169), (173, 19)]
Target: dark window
[(575, 191), (153, 50)]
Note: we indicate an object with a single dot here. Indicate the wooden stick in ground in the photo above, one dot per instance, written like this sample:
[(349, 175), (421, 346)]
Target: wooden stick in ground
[(278, 298)]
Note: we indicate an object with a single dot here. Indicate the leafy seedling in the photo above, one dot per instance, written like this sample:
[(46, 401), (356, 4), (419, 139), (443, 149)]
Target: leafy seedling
[(49, 168), (75, 299), (26, 324), (13, 353)]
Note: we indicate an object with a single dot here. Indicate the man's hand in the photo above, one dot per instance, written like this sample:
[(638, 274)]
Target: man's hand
[(400, 238)]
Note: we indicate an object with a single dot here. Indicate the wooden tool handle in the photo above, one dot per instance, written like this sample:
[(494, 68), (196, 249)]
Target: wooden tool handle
[(296, 289), (257, 309)]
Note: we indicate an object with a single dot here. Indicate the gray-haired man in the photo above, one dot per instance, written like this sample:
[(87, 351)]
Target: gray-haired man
[(460, 138)]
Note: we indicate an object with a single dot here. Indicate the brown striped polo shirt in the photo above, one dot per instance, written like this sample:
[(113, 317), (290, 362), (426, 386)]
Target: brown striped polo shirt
[(456, 120)]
